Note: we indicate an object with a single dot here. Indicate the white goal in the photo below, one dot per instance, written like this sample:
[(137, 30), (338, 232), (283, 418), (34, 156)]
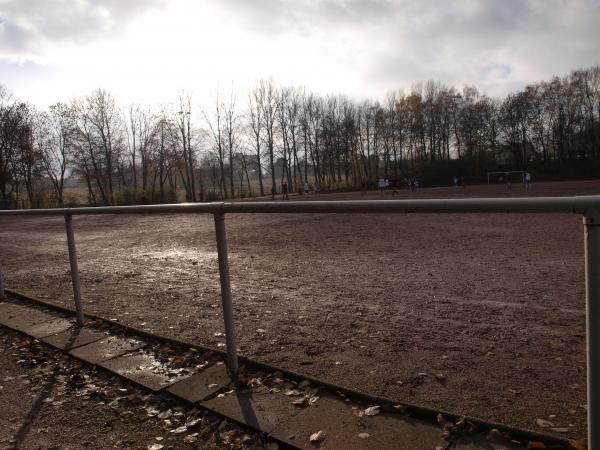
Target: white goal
[(506, 177)]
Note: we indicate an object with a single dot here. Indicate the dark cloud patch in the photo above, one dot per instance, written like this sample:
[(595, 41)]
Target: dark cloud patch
[(28, 26)]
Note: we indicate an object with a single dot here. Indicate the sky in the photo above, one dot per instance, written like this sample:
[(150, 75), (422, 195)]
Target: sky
[(148, 51)]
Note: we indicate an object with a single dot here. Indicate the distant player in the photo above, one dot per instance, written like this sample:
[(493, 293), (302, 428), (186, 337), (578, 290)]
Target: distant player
[(528, 181), (381, 185), (306, 187), (284, 189)]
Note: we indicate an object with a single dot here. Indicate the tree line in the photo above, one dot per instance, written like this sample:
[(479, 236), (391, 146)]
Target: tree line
[(245, 146)]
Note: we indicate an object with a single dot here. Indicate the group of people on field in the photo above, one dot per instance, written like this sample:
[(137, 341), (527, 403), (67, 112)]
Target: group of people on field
[(527, 180), (285, 190), (384, 184)]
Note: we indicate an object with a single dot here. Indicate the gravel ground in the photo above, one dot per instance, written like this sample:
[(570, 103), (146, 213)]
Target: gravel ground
[(477, 314)]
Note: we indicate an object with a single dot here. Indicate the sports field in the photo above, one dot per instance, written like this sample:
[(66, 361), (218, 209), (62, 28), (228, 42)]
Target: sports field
[(478, 314)]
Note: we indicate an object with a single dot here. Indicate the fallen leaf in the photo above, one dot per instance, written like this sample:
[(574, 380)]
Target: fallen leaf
[(300, 401), (443, 422), (190, 439), (155, 447), (316, 437), (544, 423), (494, 432), (246, 438), (536, 444), (401, 409), (193, 423), (165, 414), (372, 410), (179, 430), (363, 435), (178, 360), (575, 445)]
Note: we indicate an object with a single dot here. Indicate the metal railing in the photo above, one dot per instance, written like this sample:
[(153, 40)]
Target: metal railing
[(587, 206)]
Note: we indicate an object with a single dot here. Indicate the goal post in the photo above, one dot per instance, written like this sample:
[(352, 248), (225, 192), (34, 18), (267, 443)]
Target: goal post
[(506, 176)]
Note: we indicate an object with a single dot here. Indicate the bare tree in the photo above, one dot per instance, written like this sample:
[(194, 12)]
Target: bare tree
[(269, 114), (255, 108), (217, 132), (53, 136), (185, 131)]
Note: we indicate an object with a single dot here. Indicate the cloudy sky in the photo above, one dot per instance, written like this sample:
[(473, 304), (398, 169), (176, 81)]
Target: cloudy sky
[(149, 50)]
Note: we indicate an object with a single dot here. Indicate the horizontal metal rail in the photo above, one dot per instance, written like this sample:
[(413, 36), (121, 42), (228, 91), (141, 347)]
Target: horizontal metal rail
[(588, 206), (577, 204)]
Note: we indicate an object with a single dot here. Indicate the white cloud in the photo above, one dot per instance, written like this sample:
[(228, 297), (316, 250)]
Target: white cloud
[(148, 50)]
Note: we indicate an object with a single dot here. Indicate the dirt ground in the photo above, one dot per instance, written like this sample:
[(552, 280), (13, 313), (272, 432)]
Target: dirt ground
[(477, 314)]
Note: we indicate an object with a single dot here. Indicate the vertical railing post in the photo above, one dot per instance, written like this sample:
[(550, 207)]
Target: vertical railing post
[(2, 296), (232, 361), (74, 269), (591, 222)]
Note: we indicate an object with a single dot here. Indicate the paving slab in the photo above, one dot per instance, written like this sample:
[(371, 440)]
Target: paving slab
[(22, 318), (481, 442), (48, 328), (106, 348), (7, 307), (144, 369), (256, 408), (73, 338), (200, 385), (344, 429)]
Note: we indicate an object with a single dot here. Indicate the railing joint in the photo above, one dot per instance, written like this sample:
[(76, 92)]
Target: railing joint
[(591, 217)]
